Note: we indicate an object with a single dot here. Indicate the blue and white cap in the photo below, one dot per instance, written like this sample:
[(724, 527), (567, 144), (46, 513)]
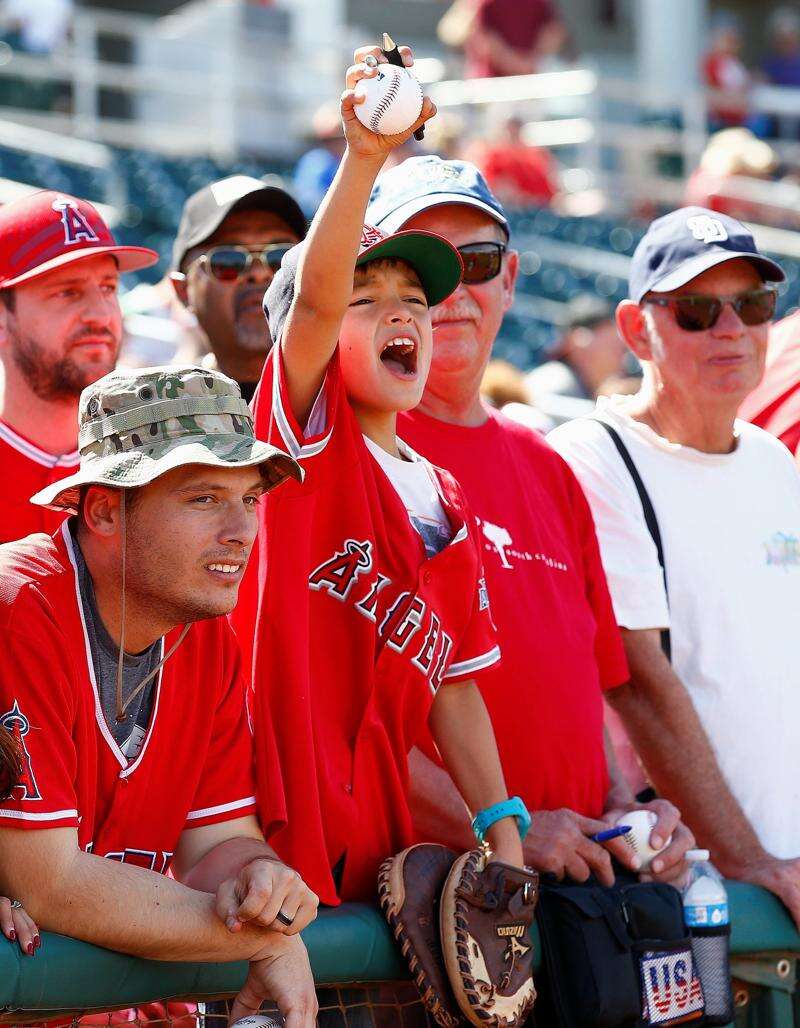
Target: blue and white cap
[(423, 182), (685, 243)]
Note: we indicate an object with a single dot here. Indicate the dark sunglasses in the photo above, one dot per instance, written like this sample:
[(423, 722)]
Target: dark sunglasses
[(482, 261), (698, 313), (230, 263)]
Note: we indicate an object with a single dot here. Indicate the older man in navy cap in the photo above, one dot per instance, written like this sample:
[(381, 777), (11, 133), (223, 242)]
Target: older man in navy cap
[(698, 516), (560, 643)]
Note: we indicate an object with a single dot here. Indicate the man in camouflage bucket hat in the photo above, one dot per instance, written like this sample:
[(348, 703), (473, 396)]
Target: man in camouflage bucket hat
[(118, 668), (137, 425)]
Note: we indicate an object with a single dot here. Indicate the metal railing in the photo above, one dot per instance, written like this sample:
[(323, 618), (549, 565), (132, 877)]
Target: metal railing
[(192, 88)]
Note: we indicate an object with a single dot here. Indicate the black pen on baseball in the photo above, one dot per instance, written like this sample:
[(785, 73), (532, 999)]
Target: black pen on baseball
[(392, 54)]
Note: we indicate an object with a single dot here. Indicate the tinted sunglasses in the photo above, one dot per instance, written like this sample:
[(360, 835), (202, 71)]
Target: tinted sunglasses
[(698, 313), (482, 261), (230, 263)]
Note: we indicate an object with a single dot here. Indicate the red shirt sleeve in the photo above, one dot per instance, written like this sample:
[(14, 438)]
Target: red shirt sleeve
[(611, 660), (477, 649), (227, 785), (37, 705), (274, 419)]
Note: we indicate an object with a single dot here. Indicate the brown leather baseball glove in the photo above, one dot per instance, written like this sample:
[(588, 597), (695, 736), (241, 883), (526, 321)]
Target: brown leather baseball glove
[(486, 913), (409, 887)]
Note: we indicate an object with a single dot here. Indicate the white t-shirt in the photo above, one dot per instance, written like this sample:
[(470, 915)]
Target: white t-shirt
[(415, 482), (730, 528)]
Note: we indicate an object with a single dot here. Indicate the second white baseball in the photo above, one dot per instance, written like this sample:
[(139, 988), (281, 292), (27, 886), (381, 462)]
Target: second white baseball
[(642, 823), (393, 100)]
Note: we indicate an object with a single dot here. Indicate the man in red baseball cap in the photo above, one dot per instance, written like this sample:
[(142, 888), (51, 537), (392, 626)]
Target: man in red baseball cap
[(60, 330)]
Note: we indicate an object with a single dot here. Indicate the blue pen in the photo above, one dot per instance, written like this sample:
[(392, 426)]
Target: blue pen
[(610, 833)]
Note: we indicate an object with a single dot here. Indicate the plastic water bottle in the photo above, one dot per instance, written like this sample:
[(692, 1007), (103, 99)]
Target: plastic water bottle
[(705, 901), (705, 912)]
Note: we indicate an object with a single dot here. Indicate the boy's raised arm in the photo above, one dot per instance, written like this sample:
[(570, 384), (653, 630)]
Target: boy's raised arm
[(325, 274)]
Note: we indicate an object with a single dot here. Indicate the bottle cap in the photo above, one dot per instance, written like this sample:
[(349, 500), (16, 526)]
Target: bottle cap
[(695, 856)]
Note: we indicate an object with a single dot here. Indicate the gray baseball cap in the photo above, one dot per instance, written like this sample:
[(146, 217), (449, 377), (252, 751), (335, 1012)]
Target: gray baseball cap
[(205, 210)]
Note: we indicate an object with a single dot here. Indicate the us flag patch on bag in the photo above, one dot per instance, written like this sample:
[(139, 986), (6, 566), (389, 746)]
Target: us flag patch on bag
[(671, 990)]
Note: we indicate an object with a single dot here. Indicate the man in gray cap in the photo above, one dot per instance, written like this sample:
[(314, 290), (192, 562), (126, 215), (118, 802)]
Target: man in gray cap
[(118, 666), (232, 236), (698, 516)]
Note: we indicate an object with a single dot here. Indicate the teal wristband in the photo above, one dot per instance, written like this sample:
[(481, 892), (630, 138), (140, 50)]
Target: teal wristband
[(514, 807)]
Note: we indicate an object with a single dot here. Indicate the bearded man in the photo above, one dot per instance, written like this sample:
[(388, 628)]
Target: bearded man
[(60, 331)]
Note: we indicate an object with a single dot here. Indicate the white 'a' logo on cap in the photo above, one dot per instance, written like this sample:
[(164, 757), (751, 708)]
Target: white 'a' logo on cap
[(706, 229), (76, 227)]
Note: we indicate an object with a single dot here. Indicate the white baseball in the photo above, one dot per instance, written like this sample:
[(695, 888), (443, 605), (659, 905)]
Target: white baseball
[(393, 100), (638, 838)]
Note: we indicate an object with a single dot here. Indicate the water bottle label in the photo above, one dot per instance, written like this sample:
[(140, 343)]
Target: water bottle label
[(709, 915)]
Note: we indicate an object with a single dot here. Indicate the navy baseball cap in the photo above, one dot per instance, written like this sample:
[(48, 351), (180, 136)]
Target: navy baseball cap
[(423, 182), (685, 243), (436, 262)]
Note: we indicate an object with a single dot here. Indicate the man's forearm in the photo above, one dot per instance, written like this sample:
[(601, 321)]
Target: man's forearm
[(225, 860), (438, 809), (663, 724), (619, 792), (118, 906)]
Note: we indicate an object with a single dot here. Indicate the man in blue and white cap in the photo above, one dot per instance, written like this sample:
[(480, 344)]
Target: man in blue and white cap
[(698, 516), (560, 642)]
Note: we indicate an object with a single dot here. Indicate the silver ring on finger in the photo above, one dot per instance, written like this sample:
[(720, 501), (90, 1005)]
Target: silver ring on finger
[(15, 904), (288, 921)]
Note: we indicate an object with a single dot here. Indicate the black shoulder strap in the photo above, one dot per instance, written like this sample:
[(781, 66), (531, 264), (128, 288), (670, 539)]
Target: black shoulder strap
[(649, 516)]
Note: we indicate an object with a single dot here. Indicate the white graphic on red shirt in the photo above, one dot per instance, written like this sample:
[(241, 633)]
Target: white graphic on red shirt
[(500, 541), (499, 538)]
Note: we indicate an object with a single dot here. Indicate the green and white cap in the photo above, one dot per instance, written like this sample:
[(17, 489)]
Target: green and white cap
[(136, 424)]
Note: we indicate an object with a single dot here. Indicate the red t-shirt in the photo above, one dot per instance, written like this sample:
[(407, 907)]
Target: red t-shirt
[(517, 22), (356, 629), (555, 623), (774, 405), (75, 774), (522, 170), (726, 72), (24, 470)]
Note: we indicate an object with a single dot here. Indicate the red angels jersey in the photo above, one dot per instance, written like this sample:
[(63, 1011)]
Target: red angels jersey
[(355, 631), (195, 766), (24, 470)]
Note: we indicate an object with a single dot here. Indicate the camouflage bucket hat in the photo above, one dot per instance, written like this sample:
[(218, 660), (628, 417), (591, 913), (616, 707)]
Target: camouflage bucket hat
[(134, 425)]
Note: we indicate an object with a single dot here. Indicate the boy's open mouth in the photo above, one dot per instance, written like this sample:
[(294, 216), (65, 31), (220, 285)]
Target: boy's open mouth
[(400, 356)]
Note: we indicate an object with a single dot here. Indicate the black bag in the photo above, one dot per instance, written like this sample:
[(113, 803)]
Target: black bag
[(614, 956)]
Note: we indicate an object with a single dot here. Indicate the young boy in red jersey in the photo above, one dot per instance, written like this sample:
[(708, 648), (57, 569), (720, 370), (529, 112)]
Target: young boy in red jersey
[(373, 615)]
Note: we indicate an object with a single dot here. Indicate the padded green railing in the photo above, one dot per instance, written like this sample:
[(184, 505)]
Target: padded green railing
[(350, 944)]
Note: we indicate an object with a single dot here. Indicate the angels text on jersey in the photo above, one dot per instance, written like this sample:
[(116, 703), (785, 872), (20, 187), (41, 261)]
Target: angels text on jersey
[(405, 622)]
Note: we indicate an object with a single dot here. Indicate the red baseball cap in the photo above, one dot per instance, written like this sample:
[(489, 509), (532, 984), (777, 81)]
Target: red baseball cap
[(46, 230)]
